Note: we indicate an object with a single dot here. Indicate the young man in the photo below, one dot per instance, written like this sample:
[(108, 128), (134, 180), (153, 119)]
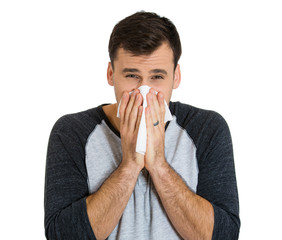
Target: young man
[(183, 187)]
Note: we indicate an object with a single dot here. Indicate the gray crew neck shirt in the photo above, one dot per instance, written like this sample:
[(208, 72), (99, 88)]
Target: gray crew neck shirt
[(84, 149)]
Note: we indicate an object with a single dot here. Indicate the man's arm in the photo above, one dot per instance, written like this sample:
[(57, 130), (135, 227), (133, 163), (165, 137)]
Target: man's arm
[(214, 211), (66, 184), (106, 206), (191, 215), (69, 214)]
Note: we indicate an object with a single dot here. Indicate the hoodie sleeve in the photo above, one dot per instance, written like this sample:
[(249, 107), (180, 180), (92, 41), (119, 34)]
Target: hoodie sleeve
[(217, 179), (66, 186)]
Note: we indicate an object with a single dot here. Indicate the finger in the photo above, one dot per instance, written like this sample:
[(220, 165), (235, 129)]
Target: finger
[(158, 100), (124, 100), (140, 110), (157, 108), (134, 112), (153, 113), (162, 106), (149, 121), (129, 106)]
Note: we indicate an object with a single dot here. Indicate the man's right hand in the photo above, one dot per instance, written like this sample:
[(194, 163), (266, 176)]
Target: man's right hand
[(130, 117), (106, 206)]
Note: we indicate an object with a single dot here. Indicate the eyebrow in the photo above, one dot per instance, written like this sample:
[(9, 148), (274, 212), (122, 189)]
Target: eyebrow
[(125, 70), (157, 70)]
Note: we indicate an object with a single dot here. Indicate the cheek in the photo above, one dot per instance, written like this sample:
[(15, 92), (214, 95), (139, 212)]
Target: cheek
[(165, 94), (119, 87), (123, 83)]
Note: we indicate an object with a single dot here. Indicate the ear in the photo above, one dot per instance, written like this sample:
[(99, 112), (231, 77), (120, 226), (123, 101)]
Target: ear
[(177, 77), (110, 74)]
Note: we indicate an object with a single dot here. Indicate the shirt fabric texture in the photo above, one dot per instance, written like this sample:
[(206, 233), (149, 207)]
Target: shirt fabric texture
[(84, 149)]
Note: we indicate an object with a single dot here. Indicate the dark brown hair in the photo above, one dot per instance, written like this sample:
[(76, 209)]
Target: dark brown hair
[(142, 33)]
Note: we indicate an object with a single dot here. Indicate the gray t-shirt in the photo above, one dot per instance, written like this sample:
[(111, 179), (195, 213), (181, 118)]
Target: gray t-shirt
[(84, 149)]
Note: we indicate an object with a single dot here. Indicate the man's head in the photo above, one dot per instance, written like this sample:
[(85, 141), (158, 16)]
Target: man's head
[(144, 49), (142, 33)]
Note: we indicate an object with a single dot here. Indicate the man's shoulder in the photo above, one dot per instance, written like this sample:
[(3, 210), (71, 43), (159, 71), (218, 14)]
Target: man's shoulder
[(185, 112), (78, 121), (197, 121)]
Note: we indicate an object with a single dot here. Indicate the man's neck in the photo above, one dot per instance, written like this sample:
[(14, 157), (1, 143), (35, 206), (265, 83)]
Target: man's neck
[(111, 111)]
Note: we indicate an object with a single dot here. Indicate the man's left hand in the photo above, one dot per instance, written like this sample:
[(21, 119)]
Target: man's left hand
[(155, 112)]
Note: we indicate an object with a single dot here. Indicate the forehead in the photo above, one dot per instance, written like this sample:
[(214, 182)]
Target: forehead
[(161, 57)]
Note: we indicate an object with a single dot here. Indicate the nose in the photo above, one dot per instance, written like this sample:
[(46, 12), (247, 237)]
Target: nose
[(140, 83), (143, 83)]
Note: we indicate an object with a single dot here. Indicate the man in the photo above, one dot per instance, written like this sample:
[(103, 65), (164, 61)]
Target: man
[(183, 187)]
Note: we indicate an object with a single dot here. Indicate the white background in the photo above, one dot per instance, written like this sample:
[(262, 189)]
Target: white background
[(53, 59)]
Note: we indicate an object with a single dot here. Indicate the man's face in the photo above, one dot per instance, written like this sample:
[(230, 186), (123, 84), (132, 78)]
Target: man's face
[(155, 70)]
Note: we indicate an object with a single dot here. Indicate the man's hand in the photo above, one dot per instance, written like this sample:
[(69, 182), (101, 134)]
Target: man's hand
[(155, 112), (191, 215), (130, 116), (106, 206)]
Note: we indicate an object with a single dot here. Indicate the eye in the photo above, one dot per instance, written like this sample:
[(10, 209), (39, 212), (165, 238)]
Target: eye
[(131, 76), (158, 77)]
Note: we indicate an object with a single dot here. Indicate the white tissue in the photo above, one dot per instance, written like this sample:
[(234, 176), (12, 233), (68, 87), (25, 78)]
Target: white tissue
[(142, 133)]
